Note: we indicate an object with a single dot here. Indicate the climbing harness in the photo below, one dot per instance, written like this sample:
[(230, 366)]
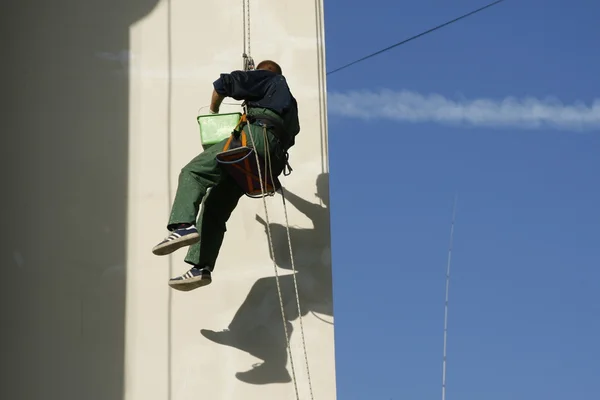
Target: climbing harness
[(236, 159), (237, 152)]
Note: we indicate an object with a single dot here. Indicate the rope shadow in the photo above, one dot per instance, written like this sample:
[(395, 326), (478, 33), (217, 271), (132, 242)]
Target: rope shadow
[(256, 327)]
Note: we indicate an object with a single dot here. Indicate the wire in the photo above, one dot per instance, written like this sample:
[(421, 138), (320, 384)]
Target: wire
[(414, 37)]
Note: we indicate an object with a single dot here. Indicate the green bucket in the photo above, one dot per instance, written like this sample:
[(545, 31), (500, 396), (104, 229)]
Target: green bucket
[(216, 127)]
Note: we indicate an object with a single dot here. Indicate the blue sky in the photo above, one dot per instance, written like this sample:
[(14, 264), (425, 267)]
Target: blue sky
[(524, 317)]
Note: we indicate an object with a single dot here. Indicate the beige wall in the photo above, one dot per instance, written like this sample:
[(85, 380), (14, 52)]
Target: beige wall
[(170, 81), (99, 107)]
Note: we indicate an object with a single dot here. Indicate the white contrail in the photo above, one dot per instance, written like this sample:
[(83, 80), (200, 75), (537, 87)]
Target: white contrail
[(526, 113)]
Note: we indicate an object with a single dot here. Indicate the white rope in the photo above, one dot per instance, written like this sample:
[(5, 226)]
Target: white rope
[(268, 166), (248, 63), (246, 16), (272, 249), (287, 228)]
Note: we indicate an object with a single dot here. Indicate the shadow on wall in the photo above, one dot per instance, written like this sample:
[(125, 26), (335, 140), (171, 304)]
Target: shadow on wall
[(65, 122), (257, 326)]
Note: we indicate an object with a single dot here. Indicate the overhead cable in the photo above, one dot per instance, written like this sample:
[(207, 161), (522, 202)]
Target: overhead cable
[(414, 37)]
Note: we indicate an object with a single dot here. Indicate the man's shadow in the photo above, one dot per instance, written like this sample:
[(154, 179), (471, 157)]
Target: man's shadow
[(257, 326)]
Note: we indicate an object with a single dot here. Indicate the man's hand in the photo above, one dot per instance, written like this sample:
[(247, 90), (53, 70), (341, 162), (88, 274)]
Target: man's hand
[(215, 102)]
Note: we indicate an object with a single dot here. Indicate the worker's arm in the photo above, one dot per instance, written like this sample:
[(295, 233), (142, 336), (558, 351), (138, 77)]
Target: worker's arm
[(241, 85), (215, 101)]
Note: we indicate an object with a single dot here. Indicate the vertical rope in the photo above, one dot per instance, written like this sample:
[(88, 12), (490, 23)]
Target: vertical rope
[(289, 239), (287, 227), (244, 22), (272, 249), (248, 17), (249, 64)]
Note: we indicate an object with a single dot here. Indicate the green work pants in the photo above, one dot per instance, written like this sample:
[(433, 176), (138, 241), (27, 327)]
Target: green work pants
[(203, 173)]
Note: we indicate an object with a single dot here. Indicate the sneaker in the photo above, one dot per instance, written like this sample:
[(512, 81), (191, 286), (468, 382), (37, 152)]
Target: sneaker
[(178, 238), (191, 280)]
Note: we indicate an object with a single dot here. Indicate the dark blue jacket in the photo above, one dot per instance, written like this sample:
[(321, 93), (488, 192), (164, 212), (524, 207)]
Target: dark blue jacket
[(264, 89)]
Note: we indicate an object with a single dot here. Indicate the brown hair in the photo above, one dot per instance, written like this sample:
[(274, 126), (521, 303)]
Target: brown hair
[(269, 65)]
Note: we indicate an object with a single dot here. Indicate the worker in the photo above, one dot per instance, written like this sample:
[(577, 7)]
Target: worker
[(271, 107)]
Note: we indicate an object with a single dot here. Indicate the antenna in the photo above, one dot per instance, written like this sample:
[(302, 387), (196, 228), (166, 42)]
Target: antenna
[(446, 302)]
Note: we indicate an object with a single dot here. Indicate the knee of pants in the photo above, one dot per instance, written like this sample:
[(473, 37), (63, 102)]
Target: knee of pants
[(202, 163), (216, 220), (187, 176), (216, 214), (186, 170)]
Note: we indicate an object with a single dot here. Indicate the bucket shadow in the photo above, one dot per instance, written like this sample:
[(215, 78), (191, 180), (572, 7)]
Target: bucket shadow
[(257, 326)]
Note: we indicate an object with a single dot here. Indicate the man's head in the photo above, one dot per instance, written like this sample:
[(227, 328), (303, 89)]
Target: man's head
[(270, 66)]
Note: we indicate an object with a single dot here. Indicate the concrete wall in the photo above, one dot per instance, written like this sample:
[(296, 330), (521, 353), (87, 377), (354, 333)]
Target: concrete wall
[(100, 105)]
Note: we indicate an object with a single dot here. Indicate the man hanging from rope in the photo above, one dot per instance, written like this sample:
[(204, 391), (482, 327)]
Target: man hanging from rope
[(271, 106)]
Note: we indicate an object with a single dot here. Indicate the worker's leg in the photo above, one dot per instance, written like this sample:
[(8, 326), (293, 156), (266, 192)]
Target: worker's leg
[(200, 174), (195, 179), (212, 223), (219, 205)]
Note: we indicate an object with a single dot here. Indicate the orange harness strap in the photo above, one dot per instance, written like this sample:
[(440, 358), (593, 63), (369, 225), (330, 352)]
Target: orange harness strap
[(238, 160)]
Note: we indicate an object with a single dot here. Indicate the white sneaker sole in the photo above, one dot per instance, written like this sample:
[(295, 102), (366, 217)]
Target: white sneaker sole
[(190, 284), (166, 248)]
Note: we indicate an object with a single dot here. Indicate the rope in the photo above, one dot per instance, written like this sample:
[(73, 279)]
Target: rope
[(246, 37), (249, 65), (262, 189), (287, 228)]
